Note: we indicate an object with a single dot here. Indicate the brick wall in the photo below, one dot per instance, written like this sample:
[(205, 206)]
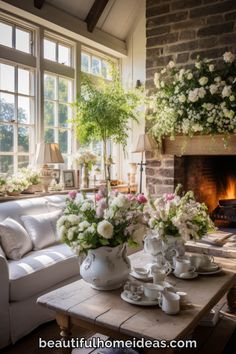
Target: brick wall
[(180, 30)]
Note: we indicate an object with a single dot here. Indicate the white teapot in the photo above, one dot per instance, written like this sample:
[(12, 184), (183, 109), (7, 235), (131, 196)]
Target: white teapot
[(153, 244)]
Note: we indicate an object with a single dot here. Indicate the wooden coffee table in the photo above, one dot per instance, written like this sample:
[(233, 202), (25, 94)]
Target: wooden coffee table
[(105, 312)]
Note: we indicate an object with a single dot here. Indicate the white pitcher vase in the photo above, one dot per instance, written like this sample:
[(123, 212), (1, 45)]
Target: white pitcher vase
[(106, 268)]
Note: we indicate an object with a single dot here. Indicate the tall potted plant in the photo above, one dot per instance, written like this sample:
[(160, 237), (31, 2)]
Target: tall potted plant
[(103, 111)]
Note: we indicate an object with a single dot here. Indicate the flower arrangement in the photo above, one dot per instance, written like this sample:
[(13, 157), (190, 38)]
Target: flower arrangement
[(179, 216), (17, 183), (198, 100), (86, 158), (110, 220), (33, 176)]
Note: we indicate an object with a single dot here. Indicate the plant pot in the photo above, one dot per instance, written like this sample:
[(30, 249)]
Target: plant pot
[(106, 268), (34, 188)]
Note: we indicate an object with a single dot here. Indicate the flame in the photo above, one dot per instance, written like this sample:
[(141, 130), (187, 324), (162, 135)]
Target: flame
[(230, 189)]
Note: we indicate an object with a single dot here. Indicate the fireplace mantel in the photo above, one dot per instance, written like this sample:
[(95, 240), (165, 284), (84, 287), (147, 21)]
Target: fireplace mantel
[(200, 145)]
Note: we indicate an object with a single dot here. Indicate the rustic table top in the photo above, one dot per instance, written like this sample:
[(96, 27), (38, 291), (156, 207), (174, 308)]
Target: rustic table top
[(105, 309)]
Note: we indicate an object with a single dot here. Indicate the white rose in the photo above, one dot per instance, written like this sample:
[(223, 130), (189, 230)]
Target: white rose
[(201, 92), (182, 98), (203, 80), (228, 57), (105, 229), (211, 67), (193, 95), (171, 64), (83, 225), (217, 79), (190, 76), (209, 106), (226, 91), (232, 98), (213, 89), (198, 65)]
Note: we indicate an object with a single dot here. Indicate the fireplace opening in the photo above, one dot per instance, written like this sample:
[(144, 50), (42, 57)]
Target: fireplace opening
[(213, 181)]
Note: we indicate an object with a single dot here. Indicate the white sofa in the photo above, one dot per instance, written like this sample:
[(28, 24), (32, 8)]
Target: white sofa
[(37, 272)]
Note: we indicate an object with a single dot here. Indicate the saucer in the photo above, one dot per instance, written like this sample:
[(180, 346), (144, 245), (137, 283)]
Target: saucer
[(209, 272), (135, 275), (142, 302), (190, 275), (210, 268)]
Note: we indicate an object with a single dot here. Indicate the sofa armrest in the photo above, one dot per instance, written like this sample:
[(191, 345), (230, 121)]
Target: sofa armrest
[(4, 302)]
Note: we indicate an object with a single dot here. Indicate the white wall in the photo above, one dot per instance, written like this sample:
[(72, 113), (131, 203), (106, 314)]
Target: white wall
[(133, 69)]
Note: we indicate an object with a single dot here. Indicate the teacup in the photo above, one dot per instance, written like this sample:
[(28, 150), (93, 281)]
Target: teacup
[(158, 274), (183, 297), (169, 302), (183, 266), (201, 260), (152, 291), (141, 271), (167, 286)]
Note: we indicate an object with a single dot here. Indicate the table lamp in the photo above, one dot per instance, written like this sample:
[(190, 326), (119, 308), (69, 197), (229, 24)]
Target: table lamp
[(145, 143), (47, 154)]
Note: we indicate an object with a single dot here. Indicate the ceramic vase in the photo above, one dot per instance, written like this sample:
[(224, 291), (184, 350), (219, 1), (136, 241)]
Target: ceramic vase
[(106, 268)]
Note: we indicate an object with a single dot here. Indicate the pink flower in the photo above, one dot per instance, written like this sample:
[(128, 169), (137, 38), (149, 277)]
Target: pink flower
[(72, 194), (100, 212), (130, 197), (169, 196), (141, 199), (98, 197)]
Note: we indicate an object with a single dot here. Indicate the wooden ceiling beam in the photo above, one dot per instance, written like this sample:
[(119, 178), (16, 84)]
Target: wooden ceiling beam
[(95, 13), (39, 3)]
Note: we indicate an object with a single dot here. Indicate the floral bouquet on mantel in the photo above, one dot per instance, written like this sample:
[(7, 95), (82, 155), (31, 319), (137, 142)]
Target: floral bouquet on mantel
[(99, 229), (179, 216), (109, 220), (198, 100), (86, 158)]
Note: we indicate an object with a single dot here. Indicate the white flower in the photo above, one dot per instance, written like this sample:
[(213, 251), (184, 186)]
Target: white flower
[(190, 76), (105, 229), (120, 201), (171, 64), (182, 98), (156, 80), (228, 57), (84, 225), (217, 79), (203, 80), (193, 95), (226, 91), (198, 65), (201, 92), (163, 71), (213, 89), (211, 67), (232, 98), (209, 106), (197, 128), (86, 206)]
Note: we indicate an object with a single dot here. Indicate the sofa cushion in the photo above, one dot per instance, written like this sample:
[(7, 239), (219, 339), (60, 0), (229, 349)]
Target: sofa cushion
[(39, 270), (42, 228), (15, 240)]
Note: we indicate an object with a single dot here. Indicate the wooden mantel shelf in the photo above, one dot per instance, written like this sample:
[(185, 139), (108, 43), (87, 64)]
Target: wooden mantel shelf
[(200, 145)]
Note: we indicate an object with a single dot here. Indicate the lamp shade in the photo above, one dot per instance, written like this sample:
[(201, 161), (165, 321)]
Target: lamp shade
[(48, 153), (145, 143)]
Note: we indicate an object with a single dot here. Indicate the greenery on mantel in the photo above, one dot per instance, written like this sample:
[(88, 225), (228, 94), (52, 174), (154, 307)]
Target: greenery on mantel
[(104, 110), (201, 100)]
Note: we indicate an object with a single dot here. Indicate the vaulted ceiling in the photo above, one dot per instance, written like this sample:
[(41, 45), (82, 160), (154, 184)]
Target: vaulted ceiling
[(115, 17)]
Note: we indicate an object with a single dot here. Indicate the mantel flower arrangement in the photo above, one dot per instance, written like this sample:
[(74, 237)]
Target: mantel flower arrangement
[(179, 216), (33, 176), (200, 100), (16, 184), (108, 221), (86, 158)]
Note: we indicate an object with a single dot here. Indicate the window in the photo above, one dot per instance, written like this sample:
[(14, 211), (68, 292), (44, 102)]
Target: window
[(58, 52), (16, 37), (16, 117), (95, 65), (57, 111)]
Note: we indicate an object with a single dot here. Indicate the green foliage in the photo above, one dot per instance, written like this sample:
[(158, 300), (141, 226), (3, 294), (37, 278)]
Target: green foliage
[(103, 110)]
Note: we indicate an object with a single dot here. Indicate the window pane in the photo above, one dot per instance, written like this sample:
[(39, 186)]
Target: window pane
[(23, 109), (49, 135), (6, 164), (106, 70), (23, 40), (63, 115), (50, 86), (64, 55), (23, 139), (23, 161), (85, 62), (96, 66), (6, 34), (7, 107), (24, 81), (65, 90), (7, 77), (63, 141), (49, 113), (49, 50), (6, 138)]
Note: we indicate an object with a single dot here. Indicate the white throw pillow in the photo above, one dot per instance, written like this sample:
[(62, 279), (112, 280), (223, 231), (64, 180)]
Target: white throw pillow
[(15, 240), (42, 228)]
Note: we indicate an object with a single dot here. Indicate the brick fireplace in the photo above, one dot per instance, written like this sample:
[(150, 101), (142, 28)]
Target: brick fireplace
[(180, 30)]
